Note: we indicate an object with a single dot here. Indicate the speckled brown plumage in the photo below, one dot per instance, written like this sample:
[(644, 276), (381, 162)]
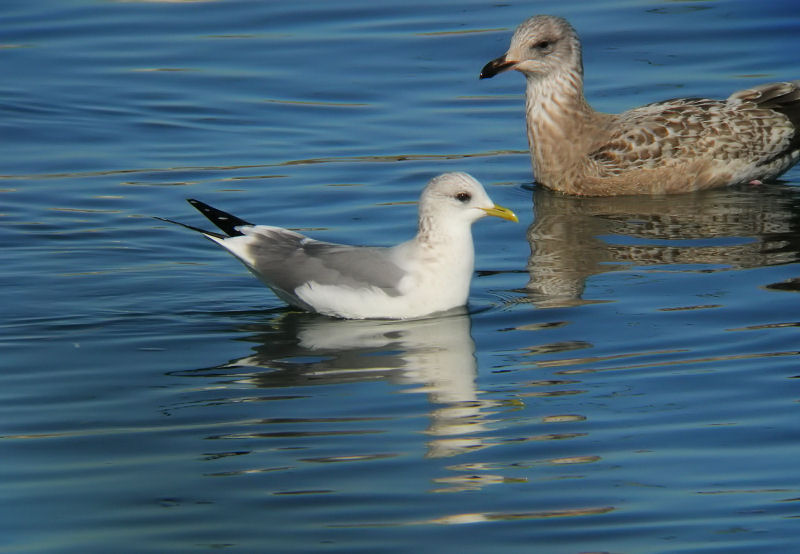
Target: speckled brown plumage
[(673, 146)]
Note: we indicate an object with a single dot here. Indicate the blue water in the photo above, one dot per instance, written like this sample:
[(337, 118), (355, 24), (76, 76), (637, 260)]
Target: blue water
[(626, 376)]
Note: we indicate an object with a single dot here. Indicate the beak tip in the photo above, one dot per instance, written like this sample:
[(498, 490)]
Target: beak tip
[(502, 213), (488, 71), (496, 66)]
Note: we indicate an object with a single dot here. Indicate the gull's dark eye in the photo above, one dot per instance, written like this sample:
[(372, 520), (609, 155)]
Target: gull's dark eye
[(463, 197), (542, 45)]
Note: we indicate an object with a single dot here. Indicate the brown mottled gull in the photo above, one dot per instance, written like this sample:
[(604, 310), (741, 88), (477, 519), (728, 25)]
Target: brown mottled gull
[(429, 273), (673, 146)]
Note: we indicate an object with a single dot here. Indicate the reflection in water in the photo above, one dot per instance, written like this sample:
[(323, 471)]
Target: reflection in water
[(573, 238), (478, 517), (434, 355)]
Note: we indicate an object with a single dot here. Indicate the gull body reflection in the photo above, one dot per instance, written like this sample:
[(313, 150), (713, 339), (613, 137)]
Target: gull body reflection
[(574, 238), (434, 356)]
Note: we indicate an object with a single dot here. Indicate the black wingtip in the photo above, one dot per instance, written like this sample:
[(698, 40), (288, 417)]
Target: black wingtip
[(198, 229), (226, 222)]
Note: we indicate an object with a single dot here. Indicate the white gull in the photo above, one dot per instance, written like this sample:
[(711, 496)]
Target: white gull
[(429, 273)]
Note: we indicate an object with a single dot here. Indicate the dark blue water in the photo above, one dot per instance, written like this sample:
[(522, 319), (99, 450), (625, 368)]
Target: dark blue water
[(626, 376)]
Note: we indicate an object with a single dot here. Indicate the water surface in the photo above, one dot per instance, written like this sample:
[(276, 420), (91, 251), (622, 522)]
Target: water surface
[(624, 379)]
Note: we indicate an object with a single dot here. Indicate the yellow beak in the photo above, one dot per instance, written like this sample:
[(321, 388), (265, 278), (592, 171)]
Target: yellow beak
[(501, 212)]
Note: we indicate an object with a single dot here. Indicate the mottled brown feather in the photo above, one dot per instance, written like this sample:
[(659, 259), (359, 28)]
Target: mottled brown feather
[(676, 145)]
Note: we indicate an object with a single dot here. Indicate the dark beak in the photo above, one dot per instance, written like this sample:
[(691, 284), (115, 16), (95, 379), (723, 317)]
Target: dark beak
[(498, 65)]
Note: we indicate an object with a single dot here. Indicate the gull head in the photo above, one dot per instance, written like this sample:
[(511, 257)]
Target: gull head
[(458, 197), (542, 45)]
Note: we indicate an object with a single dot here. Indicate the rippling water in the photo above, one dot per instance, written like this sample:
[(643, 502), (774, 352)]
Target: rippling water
[(626, 376)]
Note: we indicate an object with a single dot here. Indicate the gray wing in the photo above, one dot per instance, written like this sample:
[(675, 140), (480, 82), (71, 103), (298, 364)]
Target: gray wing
[(287, 260)]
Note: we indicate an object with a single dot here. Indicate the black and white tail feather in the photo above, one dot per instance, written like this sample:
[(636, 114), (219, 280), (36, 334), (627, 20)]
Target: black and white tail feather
[(226, 222)]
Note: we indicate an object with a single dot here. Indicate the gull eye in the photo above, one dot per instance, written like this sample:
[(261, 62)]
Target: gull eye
[(542, 45), (463, 197)]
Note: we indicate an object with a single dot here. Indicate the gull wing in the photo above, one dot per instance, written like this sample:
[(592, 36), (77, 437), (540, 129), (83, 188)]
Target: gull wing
[(287, 260)]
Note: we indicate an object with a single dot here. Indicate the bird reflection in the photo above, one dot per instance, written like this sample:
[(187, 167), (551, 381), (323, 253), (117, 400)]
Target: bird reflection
[(435, 356), (573, 238)]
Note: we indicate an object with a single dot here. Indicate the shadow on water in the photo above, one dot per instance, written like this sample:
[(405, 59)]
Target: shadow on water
[(573, 238), (434, 356)]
